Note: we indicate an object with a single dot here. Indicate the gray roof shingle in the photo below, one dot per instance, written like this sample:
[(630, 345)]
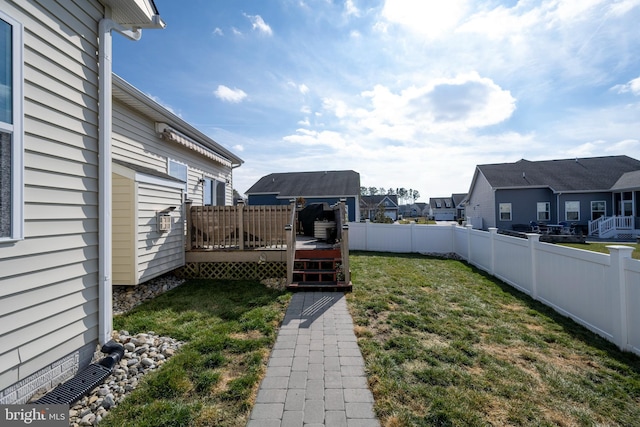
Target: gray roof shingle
[(579, 174), (308, 184)]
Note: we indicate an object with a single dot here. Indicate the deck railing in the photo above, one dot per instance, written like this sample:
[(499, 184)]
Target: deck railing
[(604, 226), (237, 227)]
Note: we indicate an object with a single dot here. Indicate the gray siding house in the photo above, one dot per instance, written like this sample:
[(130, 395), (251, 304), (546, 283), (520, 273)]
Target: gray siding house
[(315, 187), (370, 205), (55, 192), (589, 192)]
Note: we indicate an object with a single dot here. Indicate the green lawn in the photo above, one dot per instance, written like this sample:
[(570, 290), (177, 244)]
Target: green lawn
[(602, 247), (447, 345), (229, 328)]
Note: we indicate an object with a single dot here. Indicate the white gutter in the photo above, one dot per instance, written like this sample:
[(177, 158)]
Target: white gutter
[(105, 291)]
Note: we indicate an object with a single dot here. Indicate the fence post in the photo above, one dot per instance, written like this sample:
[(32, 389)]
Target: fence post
[(187, 208), (492, 236), (618, 254), (469, 228), (240, 219), (534, 239)]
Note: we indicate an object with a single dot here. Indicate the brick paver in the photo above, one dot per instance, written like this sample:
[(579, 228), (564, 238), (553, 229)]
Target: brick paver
[(315, 375)]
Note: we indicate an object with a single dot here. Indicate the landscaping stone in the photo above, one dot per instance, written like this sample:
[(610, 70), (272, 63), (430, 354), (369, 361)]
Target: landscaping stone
[(144, 352)]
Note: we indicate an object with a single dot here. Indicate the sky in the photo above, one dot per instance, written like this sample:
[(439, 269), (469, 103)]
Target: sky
[(408, 93)]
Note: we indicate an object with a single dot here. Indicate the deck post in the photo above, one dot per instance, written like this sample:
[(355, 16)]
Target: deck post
[(344, 252), (291, 249), (187, 208), (240, 219)]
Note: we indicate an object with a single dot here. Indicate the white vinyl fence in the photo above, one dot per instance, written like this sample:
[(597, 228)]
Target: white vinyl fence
[(599, 291)]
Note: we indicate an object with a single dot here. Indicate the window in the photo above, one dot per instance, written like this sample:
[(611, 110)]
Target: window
[(11, 156), (213, 193), (180, 171), (572, 211), (505, 211), (544, 209), (598, 209)]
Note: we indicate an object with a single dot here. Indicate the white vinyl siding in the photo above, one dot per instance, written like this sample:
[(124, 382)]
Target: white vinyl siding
[(11, 135), (159, 252), (49, 292), (135, 141), (146, 252)]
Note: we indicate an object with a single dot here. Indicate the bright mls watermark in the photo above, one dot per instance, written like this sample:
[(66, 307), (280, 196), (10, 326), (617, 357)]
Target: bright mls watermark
[(34, 415)]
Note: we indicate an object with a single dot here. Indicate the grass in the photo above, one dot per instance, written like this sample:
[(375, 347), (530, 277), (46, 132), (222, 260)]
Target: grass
[(228, 328), (602, 247), (447, 345)]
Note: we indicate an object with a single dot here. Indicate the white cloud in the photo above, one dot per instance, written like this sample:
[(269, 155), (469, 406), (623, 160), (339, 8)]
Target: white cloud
[(632, 86), (227, 94), (429, 18), (350, 8), (303, 88), (304, 122), (236, 31), (457, 104), (238, 147), (258, 24), (218, 32)]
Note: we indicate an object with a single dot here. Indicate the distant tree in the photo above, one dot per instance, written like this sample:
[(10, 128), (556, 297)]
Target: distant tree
[(391, 191), (373, 191), (402, 193), (364, 191), (381, 217), (415, 195)]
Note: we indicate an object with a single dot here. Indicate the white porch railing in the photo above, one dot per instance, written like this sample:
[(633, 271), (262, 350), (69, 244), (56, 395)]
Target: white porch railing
[(609, 226)]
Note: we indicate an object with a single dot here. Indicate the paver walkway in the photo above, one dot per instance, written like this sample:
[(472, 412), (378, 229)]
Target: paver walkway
[(315, 375)]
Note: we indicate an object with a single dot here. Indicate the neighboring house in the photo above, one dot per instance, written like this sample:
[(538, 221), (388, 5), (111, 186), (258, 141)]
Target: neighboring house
[(459, 201), (418, 209), (56, 175), (442, 208), (159, 161), (370, 205), (315, 187), (579, 191)]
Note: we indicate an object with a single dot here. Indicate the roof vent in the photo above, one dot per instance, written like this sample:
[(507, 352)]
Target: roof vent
[(523, 176)]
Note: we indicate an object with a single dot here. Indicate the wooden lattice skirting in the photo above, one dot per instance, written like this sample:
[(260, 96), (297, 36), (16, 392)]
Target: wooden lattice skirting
[(233, 270)]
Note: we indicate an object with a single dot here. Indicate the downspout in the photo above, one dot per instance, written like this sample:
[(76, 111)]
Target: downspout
[(105, 292)]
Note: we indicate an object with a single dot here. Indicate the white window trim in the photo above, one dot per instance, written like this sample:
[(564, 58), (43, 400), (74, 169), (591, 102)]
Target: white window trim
[(547, 211), (566, 211), (510, 212), (186, 183), (604, 213), (17, 131)]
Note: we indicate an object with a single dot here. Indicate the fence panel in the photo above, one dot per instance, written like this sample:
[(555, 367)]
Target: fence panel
[(575, 282), (632, 279), (512, 262)]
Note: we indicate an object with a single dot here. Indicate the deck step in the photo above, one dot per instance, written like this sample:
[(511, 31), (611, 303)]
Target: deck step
[(320, 286)]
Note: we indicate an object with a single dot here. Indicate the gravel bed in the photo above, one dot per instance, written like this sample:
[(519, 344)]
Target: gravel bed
[(144, 353)]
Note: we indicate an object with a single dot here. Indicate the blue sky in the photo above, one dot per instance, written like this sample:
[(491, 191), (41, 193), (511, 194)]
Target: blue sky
[(409, 93)]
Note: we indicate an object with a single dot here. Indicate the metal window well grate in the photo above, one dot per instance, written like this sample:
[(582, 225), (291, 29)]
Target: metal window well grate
[(73, 390), (87, 379)]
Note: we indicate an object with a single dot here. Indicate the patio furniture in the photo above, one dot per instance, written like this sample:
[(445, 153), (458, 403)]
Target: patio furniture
[(535, 228)]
